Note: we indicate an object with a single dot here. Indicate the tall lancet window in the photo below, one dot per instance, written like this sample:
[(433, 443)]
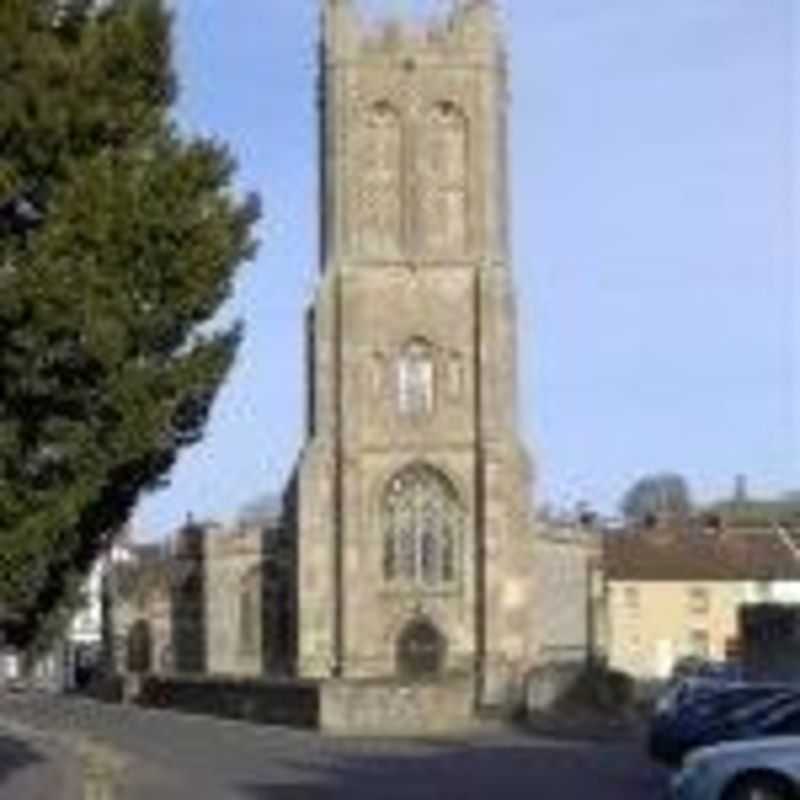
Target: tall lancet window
[(378, 166), (423, 523), (443, 168), (416, 379), (249, 606)]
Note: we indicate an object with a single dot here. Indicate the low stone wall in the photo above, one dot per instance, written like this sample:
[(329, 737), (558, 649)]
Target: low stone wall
[(294, 703), (384, 708), (340, 707)]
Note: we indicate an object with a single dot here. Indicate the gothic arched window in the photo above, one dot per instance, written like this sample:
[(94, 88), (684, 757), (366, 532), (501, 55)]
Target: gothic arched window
[(378, 218), (248, 613), (423, 523), (443, 206), (415, 379)]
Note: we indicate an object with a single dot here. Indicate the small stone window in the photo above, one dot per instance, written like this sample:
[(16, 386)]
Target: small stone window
[(415, 379)]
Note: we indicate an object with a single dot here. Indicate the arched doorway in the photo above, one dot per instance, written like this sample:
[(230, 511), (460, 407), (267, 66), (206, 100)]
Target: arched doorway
[(140, 647), (421, 650)]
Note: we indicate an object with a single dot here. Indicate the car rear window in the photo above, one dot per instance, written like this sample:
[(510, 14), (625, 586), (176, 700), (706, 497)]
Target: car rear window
[(763, 710), (743, 703)]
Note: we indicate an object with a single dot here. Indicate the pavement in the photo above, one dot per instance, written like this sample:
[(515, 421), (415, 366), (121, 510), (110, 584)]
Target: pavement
[(35, 765), (171, 756)]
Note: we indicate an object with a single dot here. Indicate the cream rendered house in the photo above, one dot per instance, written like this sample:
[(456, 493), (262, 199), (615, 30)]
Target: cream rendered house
[(673, 593)]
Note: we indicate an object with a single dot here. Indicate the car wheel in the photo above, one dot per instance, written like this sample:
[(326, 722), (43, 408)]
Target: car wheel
[(760, 787)]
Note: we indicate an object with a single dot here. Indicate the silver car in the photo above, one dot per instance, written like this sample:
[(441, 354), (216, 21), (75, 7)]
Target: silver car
[(756, 769)]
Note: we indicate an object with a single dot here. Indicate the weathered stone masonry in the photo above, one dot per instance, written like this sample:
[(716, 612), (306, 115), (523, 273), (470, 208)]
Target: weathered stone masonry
[(412, 489)]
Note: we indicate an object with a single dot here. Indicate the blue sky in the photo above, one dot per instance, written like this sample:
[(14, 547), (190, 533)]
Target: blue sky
[(656, 240)]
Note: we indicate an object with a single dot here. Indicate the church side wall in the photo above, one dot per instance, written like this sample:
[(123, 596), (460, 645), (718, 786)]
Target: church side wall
[(234, 575)]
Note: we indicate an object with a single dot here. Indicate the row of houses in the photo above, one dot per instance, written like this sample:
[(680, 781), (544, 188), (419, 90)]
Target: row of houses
[(673, 591)]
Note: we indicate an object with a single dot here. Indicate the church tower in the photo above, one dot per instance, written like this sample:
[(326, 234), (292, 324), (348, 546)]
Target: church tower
[(414, 541)]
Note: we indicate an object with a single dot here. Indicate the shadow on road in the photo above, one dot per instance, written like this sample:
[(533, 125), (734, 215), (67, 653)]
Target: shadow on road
[(15, 755), (471, 772)]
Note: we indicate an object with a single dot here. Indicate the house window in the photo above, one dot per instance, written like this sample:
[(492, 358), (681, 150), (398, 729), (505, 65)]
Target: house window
[(699, 600), (764, 591), (632, 598), (699, 646), (422, 521), (415, 379)]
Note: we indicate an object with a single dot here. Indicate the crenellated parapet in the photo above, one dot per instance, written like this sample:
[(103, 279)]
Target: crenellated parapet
[(472, 27)]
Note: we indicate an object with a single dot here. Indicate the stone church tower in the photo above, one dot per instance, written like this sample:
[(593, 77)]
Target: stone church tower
[(414, 541)]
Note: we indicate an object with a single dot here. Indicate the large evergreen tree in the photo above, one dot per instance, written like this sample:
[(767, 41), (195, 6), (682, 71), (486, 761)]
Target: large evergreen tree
[(119, 240)]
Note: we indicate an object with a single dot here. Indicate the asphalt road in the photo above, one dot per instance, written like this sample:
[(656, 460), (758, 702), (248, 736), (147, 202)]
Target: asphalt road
[(176, 757)]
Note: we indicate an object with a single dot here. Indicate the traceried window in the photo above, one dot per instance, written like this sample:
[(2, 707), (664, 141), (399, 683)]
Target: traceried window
[(415, 379), (422, 528)]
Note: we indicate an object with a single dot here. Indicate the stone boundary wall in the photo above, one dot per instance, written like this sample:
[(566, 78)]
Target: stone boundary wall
[(383, 708), (337, 707), (293, 703)]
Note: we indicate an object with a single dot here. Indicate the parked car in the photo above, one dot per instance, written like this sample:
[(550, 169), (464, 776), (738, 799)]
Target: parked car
[(707, 715), (692, 667), (758, 769), (687, 690)]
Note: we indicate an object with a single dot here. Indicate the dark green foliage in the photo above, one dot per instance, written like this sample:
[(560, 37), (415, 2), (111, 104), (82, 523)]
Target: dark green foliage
[(600, 689), (662, 495), (131, 244)]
